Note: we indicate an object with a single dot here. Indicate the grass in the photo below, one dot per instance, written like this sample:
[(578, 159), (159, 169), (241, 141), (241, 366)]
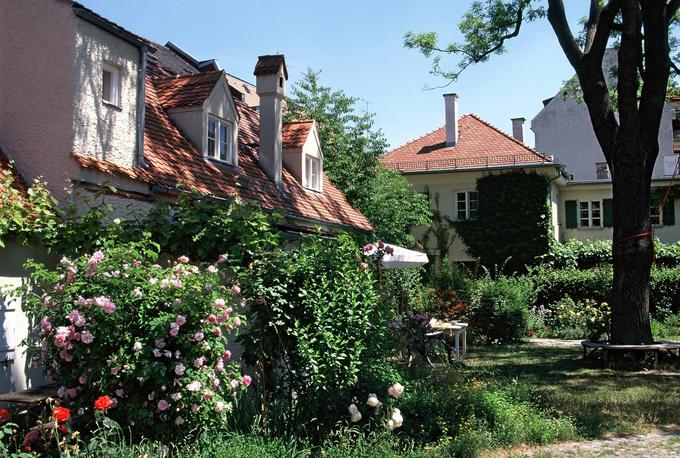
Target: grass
[(599, 400)]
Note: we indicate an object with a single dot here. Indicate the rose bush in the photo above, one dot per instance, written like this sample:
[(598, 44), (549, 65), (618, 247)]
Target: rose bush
[(150, 343)]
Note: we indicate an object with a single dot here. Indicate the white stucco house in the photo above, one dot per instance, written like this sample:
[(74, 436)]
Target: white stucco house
[(563, 130), (85, 103)]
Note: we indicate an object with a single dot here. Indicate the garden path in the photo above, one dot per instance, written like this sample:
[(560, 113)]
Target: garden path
[(663, 443)]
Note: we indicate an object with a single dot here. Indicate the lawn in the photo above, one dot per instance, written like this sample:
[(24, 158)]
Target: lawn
[(600, 400)]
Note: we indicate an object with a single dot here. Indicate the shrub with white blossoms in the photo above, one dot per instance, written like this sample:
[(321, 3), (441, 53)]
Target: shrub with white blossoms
[(393, 414), (154, 339)]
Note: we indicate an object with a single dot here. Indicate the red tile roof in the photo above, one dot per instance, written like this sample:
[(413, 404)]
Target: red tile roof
[(294, 133), (173, 161), (187, 90), (479, 145)]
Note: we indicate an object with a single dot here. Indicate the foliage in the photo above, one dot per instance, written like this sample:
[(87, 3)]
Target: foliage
[(30, 216), (352, 146), (442, 228), (152, 338), (665, 292), (471, 415), (400, 289), (537, 321), (579, 320), (513, 225), (313, 316), (584, 255), (499, 309), (669, 328)]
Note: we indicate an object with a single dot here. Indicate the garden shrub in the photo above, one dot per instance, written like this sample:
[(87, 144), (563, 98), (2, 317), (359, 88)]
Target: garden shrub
[(313, 317), (585, 255), (153, 339), (586, 319), (665, 291), (499, 309)]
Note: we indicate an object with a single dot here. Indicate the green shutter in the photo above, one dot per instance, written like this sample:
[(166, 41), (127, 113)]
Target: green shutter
[(572, 214), (669, 213), (607, 212)]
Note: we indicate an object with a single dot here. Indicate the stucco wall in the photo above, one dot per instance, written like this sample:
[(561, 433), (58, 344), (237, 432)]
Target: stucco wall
[(37, 51), (100, 129), (20, 373), (563, 129), (445, 185), (667, 234)]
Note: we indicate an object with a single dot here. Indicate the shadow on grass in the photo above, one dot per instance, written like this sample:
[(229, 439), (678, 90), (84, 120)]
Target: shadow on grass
[(600, 400)]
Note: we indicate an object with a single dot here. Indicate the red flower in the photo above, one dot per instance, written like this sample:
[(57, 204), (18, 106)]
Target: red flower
[(103, 403), (61, 414), (31, 437), (4, 416)]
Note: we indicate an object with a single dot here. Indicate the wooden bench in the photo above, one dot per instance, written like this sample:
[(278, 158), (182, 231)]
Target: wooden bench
[(656, 348)]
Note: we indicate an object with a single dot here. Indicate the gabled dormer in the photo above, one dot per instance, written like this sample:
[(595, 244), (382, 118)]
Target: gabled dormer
[(302, 154), (202, 106)]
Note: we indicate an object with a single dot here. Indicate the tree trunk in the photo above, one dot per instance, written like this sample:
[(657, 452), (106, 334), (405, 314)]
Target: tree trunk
[(632, 246)]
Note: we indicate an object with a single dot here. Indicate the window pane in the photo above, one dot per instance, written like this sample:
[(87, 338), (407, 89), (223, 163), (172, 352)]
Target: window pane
[(211, 138), (224, 146), (655, 215), (461, 206), (107, 86), (473, 204)]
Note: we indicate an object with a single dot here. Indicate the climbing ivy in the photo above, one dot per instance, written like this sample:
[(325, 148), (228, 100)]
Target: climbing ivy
[(441, 228), (513, 225)]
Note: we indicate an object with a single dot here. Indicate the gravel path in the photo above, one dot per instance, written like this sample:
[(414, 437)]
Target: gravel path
[(664, 443), (555, 342)]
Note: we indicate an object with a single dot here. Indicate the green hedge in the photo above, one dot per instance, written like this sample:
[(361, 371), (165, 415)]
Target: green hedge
[(595, 283), (584, 255)]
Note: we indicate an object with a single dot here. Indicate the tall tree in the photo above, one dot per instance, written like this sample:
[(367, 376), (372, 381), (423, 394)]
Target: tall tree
[(630, 143), (352, 147)]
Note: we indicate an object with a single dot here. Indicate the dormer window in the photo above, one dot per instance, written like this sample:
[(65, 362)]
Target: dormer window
[(313, 173), (220, 140), (111, 84)]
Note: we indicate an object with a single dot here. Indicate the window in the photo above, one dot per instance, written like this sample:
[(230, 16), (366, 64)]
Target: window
[(313, 173), (111, 84), (590, 213), (465, 204), (602, 170), (220, 140)]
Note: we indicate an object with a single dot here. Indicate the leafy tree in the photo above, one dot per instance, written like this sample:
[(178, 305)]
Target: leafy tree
[(641, 31), (352, 147)]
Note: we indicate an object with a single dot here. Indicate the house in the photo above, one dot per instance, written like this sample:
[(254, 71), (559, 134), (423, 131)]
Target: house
[(85, 103), (563, 130), (447, 162)]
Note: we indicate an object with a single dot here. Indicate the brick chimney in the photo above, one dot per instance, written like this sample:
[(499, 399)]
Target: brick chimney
[(451, 110), (518, 129), (271, 75)]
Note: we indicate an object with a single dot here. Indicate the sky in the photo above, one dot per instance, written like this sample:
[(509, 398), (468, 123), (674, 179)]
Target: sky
[(358, 47)]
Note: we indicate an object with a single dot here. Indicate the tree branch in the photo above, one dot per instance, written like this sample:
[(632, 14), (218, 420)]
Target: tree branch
[(603, 30), (558, 21), (671, 9)]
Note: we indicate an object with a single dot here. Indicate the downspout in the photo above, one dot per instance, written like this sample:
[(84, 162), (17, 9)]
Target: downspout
[(141, 107)]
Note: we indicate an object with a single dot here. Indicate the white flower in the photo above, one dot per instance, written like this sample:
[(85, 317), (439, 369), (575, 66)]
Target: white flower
[(396, 390), (355, 417), (179, 421), (373, 400), (137, 346), (396, 419), (352, 409)]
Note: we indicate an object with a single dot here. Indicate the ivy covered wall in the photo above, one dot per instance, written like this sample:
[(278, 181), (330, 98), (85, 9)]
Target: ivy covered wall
[(513, 224)]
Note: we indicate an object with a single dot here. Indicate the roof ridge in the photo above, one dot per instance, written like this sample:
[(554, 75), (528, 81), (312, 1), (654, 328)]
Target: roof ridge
[(191, 75), (524, 145), (414, 140), (299, 121)]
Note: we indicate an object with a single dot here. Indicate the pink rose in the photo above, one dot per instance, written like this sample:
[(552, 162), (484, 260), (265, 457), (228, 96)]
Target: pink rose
[(234, 383), (82, 379), (183, 259), (207, 394), (219, 303), (86, 337), (237, 322), (226, 355), (198, 336), (194, 386), (219, 406), (212, 318), (180, 320), (222, 258), (179, 369), (163, 405), (236, 289), (246, 380), (198, 362)]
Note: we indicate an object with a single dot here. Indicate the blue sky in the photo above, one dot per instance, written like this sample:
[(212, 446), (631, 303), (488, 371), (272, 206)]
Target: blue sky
[(358, 46)]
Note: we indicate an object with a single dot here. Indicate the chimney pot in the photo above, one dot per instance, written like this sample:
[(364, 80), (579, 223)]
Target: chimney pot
[(451, 117), (518, 129)]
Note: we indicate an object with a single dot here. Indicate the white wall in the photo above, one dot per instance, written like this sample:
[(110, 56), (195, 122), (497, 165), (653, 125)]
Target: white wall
[(19, 373), (563, 128), (37, 51), (100, 129)]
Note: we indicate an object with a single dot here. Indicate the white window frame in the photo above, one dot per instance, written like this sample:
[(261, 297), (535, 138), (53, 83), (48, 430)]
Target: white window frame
[(220, 124), (467, 208), (590, 217), (651, 216), (114, 96), (312, 179)]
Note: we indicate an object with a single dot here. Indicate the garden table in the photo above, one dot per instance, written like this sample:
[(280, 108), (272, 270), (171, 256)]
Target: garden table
[(455, 331)]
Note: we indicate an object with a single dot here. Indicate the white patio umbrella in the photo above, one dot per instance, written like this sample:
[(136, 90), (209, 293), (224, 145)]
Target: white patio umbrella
[(402, 258)]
